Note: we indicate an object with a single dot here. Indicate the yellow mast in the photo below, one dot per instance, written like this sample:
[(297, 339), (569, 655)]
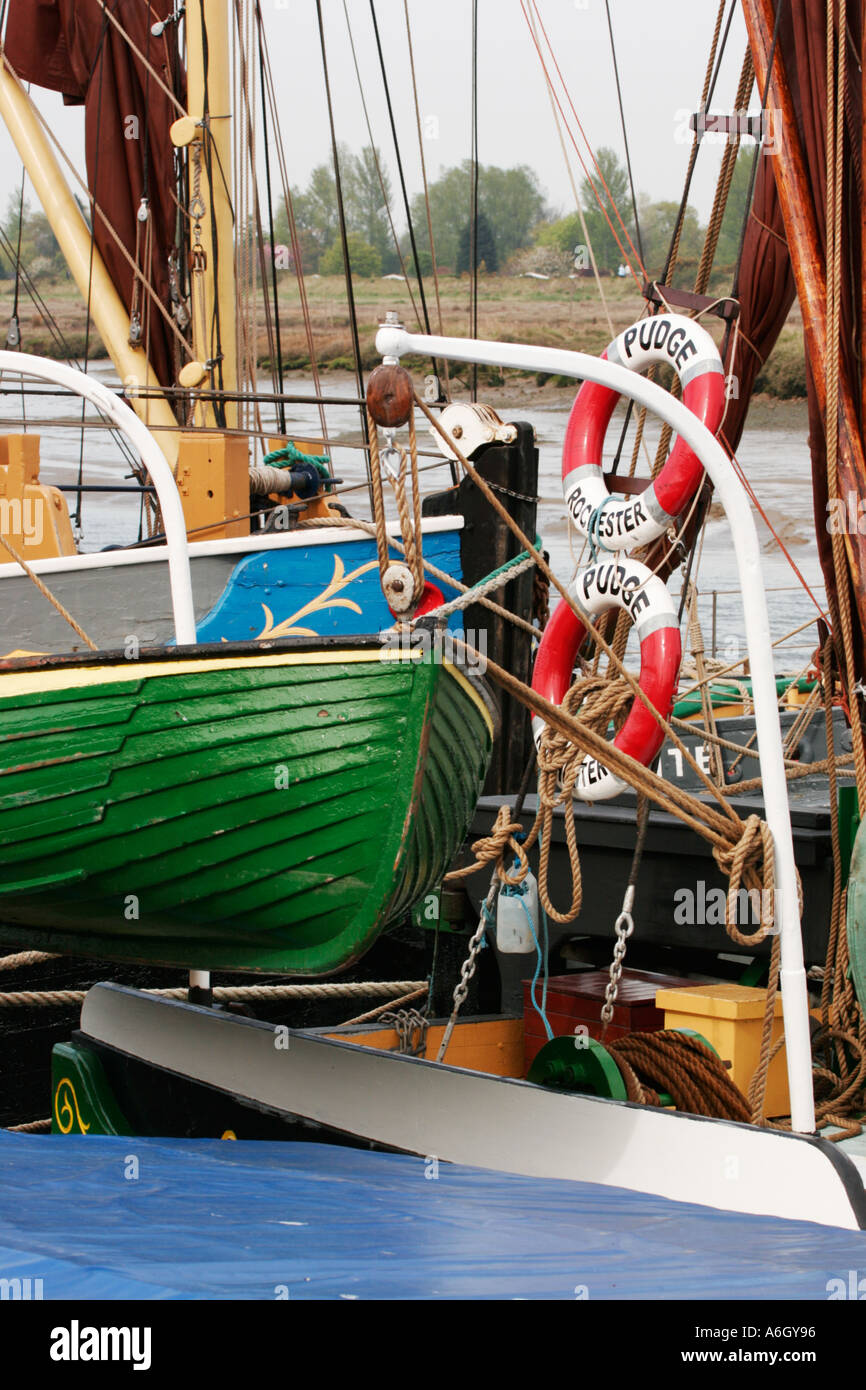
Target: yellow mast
[(211, 222), (85, 263)]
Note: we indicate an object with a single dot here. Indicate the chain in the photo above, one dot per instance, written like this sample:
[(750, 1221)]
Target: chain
[(467, 969), (509, 492), (197, 254), (410, 1025), (623, 926)]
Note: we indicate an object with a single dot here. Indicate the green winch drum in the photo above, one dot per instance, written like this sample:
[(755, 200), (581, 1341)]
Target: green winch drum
[(579, 1063)]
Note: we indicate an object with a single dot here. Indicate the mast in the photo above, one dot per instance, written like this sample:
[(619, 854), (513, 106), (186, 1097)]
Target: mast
[(84, 261), (207, 134), (807, 261)]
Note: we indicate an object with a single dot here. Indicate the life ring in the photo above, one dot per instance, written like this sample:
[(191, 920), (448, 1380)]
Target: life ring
[(690, 350), (627, 584)]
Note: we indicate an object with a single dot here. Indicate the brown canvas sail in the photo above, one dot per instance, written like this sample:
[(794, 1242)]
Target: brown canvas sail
[(72, 47)]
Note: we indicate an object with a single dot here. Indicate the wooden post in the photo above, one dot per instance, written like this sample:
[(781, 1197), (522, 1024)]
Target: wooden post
[(486, 543)]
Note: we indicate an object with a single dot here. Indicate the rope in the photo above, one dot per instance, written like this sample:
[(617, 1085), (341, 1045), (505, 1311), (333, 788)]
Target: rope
[(46, 592), (65, 998), (500, 844), (714, 227), (25, 958), (835, 172), (270, 101), (381, 1008), (758, 1083), (741, 862), (842, 1021), (608, 755), (32, 1127), (692, 1075), (696, 639), (511, 568), (584, 230), (437, 573), (793, 772), (410, 530)]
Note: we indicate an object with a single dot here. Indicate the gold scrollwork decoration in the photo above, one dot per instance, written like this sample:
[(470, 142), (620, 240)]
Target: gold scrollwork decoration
[(339, 580), (66, 1110)]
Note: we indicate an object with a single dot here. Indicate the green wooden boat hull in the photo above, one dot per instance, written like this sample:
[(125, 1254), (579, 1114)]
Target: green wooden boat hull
[(263, 808)]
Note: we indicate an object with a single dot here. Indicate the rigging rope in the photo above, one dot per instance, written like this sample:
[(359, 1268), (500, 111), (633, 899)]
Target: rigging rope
[(5, 544)]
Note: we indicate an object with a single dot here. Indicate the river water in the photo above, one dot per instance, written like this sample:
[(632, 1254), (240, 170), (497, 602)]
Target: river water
[(774, 455)]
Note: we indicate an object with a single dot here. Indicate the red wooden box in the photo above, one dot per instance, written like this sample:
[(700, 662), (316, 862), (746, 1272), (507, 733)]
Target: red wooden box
[(578, 999)]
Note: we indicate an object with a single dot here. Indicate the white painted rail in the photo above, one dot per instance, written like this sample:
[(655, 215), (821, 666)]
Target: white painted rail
[(394, 342), (151, 455)]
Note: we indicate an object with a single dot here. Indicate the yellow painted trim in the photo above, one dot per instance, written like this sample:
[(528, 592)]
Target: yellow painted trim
[(470, 690), (15, 683)]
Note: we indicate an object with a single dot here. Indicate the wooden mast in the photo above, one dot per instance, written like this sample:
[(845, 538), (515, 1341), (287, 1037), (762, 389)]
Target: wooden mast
[(807, 261), (206, 132)]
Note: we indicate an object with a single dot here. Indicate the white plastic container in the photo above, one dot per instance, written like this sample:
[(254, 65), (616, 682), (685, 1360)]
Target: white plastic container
[(514, 929)]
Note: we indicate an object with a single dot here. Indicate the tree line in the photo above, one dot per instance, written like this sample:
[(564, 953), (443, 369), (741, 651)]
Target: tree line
[(516, 229)]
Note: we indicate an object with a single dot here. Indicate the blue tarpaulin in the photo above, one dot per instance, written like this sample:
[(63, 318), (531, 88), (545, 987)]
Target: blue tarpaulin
[(179, 1219)]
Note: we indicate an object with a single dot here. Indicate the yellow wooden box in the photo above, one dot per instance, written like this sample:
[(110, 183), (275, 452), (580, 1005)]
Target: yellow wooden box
[(731, 1018)]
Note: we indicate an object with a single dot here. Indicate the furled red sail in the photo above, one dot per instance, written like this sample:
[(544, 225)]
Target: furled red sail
[(71, 46), (797, 155)]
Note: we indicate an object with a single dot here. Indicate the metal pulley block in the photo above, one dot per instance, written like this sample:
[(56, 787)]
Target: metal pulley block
[(471, 426)]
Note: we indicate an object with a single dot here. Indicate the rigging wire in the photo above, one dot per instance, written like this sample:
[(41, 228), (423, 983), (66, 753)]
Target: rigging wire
[(624, 131), (344, 241), (281, 409), (598, 168), (627, 259), (473, 215), (426, 187), (386, 200), (100, 59), (293, 233), (13, 336), (406, 205)]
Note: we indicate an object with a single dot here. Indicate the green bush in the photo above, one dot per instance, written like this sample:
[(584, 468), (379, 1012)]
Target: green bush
[(365, 259)]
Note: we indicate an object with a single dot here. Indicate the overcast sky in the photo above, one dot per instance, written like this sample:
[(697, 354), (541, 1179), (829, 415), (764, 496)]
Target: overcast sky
[(661, 47)]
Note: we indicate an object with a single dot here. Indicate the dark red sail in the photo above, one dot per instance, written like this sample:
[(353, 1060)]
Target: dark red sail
[(72, 47), (768, 275)]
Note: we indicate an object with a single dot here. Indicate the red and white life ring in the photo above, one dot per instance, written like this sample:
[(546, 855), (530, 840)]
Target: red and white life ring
[(632, 521), (622, 583)]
